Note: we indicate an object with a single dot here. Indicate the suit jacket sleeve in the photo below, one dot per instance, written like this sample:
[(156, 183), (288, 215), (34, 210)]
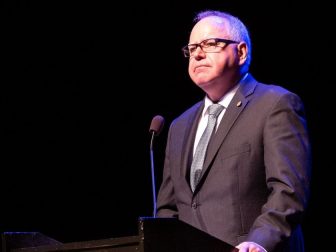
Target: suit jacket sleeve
[(287, 160), (166, 201)]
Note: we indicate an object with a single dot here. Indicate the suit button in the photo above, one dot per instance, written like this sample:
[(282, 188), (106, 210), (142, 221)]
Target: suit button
[(194, 205)]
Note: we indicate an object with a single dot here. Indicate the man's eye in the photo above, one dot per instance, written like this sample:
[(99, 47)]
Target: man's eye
[(192, 48), (210, 43)]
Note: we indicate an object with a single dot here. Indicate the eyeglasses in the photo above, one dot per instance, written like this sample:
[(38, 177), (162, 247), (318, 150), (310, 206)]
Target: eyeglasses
[(208, 45)]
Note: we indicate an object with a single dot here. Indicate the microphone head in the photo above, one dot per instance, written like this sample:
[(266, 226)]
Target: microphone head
[(156, 124)]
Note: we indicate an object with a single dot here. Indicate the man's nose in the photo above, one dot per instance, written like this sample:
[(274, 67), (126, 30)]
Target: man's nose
[(199, 52)]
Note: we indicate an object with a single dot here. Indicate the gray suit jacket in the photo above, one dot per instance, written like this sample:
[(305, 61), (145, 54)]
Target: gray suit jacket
[(255, 181)]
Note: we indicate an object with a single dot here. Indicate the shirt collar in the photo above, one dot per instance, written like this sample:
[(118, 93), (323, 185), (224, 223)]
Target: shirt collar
[(225, 100)]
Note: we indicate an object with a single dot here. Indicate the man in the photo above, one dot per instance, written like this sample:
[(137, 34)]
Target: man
[(252, 188)]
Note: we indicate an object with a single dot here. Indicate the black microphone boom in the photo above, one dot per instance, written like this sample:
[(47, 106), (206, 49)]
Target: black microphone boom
[(155, 129)]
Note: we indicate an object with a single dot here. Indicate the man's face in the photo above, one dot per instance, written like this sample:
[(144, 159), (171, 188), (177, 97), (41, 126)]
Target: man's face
[(206, 68)]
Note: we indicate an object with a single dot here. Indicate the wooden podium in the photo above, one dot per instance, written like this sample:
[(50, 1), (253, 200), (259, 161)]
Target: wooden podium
[(155, 235)]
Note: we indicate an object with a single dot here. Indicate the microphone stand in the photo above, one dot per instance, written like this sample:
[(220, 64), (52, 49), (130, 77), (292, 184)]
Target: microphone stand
[(153, 173)]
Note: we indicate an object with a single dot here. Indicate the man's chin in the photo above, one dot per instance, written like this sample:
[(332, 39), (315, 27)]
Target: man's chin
[(203, 83)]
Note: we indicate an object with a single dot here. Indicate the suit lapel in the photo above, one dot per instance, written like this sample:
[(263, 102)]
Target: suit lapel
[(236, 106), (188, 141), (229, 118)]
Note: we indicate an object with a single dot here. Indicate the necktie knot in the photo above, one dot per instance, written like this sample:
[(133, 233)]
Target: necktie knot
[(215, 109)]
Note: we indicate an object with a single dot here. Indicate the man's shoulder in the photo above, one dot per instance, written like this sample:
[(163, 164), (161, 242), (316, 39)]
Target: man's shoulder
[(272, 89), (270, 92), (267, 89)]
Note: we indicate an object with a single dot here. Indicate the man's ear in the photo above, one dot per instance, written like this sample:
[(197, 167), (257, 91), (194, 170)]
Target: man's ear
[(242, 52)]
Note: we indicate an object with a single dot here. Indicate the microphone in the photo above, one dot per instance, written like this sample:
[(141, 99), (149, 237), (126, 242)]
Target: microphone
[(156, 125), (155, 129)]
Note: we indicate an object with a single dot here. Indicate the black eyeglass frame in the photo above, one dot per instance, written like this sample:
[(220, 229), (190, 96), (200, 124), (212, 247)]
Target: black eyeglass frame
[(186, 51)]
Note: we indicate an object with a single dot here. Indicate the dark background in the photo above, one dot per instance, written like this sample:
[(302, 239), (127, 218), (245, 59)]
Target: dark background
[(81, 81)]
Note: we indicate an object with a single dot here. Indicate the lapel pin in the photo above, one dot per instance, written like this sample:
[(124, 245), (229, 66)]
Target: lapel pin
[(239, 104)]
